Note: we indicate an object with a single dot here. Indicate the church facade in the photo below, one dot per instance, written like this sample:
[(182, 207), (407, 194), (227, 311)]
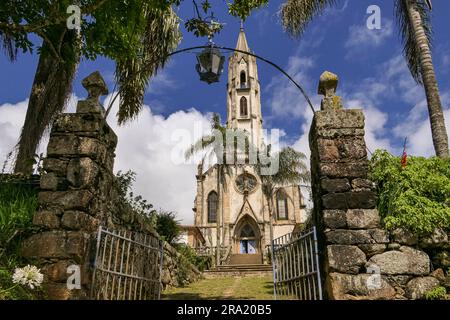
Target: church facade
[(234, 213)]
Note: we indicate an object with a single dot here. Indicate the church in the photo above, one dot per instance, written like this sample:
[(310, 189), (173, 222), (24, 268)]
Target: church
[(233, 215)]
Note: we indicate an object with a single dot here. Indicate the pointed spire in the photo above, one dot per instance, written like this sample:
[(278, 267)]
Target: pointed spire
[(242, 40)]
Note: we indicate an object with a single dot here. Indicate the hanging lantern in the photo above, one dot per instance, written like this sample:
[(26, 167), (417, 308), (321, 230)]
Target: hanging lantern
[(210, 64)]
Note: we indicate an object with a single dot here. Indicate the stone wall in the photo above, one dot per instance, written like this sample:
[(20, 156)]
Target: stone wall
[(78, 193), (360, 260)]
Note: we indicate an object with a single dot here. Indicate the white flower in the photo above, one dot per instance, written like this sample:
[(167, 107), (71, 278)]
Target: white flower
[(29, 275)]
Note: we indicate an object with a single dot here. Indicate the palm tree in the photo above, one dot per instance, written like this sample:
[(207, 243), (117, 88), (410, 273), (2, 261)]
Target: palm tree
[(216, 144), (415, 29), (157, 35), (291, 170)]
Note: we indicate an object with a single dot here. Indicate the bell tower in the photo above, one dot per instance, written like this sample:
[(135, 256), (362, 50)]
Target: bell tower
[(243, 92)]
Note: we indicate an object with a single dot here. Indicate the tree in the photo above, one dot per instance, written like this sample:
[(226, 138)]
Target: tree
[(133, 33), (413, 18), (167, 226), (291, 170)]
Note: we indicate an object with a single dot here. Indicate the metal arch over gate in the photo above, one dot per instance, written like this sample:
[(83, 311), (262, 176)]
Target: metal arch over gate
[(128, 266), (296, 267)]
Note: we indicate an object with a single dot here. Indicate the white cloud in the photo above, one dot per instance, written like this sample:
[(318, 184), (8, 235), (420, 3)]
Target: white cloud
[(361, 38)]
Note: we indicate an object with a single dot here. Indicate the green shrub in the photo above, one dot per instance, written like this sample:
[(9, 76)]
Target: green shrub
[(438, 293), (18, 203), (200, 262), (416, 197)]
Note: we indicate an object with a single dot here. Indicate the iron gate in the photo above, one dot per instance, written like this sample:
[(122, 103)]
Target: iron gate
[(127, 266), (296, 267)]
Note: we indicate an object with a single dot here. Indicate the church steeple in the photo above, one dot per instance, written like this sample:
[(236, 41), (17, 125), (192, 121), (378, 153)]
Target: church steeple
[(242, 41), (243, 91)]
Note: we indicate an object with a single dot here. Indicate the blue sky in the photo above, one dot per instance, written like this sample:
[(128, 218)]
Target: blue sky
[(372, 73)]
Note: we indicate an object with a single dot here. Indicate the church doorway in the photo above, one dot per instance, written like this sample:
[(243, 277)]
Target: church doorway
[(247, 237), (247, 241)]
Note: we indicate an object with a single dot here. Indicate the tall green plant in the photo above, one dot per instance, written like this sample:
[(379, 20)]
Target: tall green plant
[(416, 197)]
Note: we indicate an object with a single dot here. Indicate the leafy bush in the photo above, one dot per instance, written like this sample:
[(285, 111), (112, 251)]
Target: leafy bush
[(416, 197), (18, 203), (138, 203), (167, 226), (200, 262), (438, 293)]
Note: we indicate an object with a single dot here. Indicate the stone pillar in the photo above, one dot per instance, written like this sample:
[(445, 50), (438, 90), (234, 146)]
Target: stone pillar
[(344, 200), (358, 260), (75, 187)]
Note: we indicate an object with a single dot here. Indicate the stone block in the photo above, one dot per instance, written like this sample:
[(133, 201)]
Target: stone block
[(72, 199), (363, 218), (80, 123), (437, 239), (90, 107), (77, 220), (358, 287), (342, 149), (418, 287), (64, 145), (350, 200), (334, 219), (344, 170), (339, 119), (407, 261), (404, 237), (362, 185), (334, 201), (345, 259), (51, 181), (57, 272), (335, 133), (82, 172), (328, 150), (335, 185), (47, 219), (372, 249), (361, 200), (56, 244), (350, 237), (58, 166)]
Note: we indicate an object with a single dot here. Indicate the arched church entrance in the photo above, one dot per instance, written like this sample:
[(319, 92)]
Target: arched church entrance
[(247, 242)]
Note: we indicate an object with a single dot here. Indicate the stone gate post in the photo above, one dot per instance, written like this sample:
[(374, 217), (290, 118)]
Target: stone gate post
[(344, 200), (77, 180)]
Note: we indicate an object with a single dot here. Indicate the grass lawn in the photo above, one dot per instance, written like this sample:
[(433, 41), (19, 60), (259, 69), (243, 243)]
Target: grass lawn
[(251, 288)]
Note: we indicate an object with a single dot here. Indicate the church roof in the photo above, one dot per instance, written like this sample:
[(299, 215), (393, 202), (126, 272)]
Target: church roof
[(242, 41)]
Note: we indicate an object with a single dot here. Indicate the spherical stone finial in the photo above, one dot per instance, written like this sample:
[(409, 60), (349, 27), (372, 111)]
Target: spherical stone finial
[(328, 84), (95, 86)]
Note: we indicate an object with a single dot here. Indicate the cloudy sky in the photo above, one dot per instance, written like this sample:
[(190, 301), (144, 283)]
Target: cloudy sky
[(372, 71)]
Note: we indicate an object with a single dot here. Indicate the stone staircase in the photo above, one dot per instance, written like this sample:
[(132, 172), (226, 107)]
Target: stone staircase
[(239, 270), (245, 259)]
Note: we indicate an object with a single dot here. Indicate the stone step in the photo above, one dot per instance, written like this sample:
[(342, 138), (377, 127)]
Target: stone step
[(245, 267), (236, 259)]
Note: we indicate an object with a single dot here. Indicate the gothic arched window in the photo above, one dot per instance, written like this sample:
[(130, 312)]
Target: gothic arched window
[(282, 205), (243, 79), (243, 104), (212, 206)]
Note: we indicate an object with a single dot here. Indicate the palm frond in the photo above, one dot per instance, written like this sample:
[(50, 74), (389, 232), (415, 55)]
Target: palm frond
[(200, 145), (296, 14), (9, 46), (161, 37), (406, 32)]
